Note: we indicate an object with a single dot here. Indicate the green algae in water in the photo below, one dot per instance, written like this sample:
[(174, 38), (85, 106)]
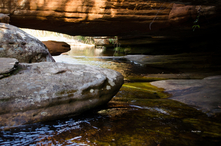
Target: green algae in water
[(213, 130), (139, 116), (139, 120), (142, 90), (137, 127)]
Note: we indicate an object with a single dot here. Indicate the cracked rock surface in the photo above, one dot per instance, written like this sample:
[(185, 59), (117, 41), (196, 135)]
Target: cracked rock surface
[(45, 91)]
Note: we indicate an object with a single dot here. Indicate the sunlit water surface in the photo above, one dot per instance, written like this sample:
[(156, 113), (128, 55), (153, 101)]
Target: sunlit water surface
[(137, 115)]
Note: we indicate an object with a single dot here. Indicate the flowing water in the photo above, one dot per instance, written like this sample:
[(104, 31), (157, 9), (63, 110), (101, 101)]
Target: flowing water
[(140, 114)]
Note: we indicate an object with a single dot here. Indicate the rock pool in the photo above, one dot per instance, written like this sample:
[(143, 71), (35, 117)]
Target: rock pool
[(140, 114)]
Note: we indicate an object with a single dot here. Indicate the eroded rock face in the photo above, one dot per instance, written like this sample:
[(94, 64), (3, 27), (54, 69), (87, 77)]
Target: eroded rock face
[(56, 48), (45, 91), (15, 43), (111, 18)]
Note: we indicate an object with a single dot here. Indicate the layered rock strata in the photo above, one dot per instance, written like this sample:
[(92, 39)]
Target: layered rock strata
[(111, 17)]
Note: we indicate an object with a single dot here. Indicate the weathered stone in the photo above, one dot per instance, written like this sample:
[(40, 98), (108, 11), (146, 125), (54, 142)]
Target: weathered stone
[(7, 65), (202, 94), (104, 41), (56, 48), (15, 43), (111, 18), (4, 18), (182, 13), (45, 91)]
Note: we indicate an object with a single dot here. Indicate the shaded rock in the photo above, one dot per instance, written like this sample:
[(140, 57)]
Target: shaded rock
[(161, 22), (7, 65), (15, 43), (185, 62), (4, 18), (109, 18), (202, 94), (45, 91), (56, 48), (182, 13), (103, 41)]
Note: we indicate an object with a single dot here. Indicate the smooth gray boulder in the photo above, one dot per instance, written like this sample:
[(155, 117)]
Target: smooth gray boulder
[(15, 43), (202, 94), (7, 65), (45, 91)]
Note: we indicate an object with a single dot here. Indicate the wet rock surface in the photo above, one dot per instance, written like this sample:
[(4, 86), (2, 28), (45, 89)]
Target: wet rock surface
[(46, 91), (15, 43), (202, 94), (135, 116), (139, 114), (185, 64)]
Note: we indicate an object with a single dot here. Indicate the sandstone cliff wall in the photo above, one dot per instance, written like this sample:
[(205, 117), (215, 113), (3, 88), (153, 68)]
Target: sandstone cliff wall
[(106, 17)]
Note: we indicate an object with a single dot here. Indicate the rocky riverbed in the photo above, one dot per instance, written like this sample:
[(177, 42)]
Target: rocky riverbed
[(41, 102), (139, 114)]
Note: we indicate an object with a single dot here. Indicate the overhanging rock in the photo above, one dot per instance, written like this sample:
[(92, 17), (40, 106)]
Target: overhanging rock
[(113, 18)]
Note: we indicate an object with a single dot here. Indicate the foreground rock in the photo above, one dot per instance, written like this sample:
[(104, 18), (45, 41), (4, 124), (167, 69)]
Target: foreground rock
[(7, 65), (45, 91), (56, 48), (15, 43), (203, 94)]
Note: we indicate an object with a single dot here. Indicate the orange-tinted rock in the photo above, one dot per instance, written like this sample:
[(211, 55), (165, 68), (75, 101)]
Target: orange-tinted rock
[(104, 41), (56, 48), (181, 13), (109, 17)]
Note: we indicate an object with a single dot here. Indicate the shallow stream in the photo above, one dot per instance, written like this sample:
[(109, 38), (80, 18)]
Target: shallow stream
[(140, 114)]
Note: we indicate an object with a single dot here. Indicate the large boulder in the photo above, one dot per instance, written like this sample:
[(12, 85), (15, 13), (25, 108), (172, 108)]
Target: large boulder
[(45, 91), (56, 48), (15, 43)]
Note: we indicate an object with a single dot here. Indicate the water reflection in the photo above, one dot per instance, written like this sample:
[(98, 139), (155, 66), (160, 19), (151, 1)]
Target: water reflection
[(78, 49), (136, 116), (135, 124)]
